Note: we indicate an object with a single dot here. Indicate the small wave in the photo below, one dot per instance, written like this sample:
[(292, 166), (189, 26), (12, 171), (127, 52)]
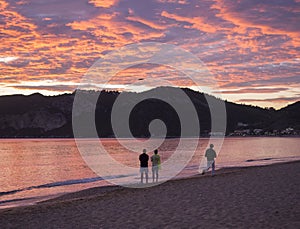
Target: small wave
[(14, 200), (263, 159), (65, 183), (10, 192), (191, 167)]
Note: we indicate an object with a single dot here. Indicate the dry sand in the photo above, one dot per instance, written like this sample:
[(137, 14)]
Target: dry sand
[(255, 197)]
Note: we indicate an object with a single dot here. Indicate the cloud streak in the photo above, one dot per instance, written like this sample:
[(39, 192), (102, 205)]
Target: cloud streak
[(253, 90), (279, 99)]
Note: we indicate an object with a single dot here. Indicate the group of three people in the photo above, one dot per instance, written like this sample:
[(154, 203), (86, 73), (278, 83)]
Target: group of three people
[(210, 155)]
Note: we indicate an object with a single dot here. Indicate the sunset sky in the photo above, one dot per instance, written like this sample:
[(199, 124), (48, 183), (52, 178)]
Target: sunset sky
[(251, 47)]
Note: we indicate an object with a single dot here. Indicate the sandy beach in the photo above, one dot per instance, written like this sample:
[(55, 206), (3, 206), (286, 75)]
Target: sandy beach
[(261, 197)]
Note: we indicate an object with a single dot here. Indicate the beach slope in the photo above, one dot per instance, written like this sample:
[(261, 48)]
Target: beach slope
[(266, 196)]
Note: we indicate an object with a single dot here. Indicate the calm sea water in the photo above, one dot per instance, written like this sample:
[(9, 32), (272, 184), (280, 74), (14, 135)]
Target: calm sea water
[(32, 170)]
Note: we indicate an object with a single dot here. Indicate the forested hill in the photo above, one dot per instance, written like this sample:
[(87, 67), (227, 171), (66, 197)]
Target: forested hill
[(51, 116)]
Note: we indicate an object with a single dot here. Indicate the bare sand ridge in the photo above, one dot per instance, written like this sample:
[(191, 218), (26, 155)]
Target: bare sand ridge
[(261, 197)]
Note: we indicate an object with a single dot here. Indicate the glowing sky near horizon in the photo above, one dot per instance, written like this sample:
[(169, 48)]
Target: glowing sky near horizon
[(251, 47)]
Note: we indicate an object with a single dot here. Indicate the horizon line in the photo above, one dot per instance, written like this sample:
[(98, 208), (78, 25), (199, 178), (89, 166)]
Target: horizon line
[(138, 92)]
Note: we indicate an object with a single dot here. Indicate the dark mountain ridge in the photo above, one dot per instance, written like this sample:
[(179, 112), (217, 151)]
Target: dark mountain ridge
[(51, 116)]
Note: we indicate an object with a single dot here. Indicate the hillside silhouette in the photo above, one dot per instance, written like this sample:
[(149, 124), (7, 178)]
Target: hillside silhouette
[(51, 116)]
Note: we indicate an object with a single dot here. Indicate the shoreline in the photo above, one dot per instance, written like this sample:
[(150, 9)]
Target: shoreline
[(169, 137), (19, 202), (268, 185), (90, 192), (127, 138), (66, 196)]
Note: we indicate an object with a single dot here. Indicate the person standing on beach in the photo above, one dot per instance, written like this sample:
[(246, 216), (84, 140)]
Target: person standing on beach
[(210, 155), (144, 158), (155, 165)]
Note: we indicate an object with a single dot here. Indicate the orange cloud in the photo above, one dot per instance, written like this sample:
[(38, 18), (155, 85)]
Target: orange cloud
[(146, 22), (242, 25), (174, 1), (196, 22), (42, 54), (111, 30), (104, 3)]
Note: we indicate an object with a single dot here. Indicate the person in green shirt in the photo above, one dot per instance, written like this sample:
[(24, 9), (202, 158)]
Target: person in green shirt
[(210, 155), (155, 165)]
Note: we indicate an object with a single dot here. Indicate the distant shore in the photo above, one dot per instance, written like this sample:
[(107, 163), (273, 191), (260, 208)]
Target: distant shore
[(169, 137), (261, 196)]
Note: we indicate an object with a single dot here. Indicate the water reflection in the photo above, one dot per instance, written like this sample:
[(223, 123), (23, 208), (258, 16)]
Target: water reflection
[(26, 163)]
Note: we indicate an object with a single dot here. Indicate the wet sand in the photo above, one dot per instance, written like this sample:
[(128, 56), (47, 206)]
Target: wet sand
[(263, 197)]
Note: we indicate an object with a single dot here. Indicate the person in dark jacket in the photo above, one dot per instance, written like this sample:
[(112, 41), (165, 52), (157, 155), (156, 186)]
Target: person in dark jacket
[(144, 158)]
